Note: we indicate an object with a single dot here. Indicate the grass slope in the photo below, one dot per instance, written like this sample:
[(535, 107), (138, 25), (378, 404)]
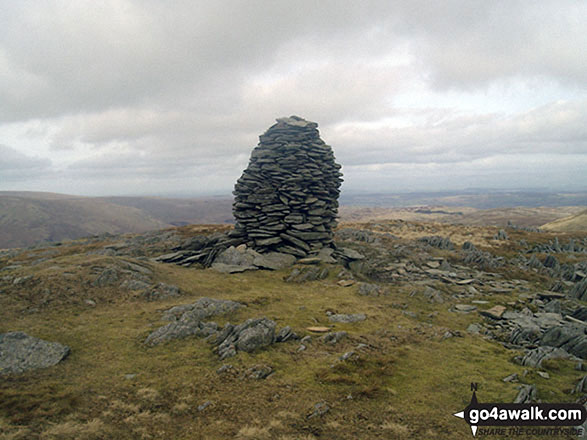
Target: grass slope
[(573, 223), (405, 383)]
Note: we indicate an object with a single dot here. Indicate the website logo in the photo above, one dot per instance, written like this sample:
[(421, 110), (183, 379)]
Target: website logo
[(523, 418)]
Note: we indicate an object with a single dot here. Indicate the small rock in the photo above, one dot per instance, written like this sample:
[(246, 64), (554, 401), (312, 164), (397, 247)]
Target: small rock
[(347, 355), (511, 378), (355, 317), (351, 254), (286, 334), (320, 409), (334, 337), (433, 295), (318, 329), (134, 285), (230, 268), (543, 374), (465, 282), (346, 283), (108, 277), (527, 394), (312, 273), (366, 289), (535, 357), (204, 405), (553, 306), (248, 336), (464, 308), (259, 372), (309, 260), (474, 329), (162, 291), (581, 386), (495, 312), (224, 368)]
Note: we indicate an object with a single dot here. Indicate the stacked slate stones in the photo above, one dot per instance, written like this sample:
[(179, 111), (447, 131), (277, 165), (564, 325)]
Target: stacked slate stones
[(287, 198)]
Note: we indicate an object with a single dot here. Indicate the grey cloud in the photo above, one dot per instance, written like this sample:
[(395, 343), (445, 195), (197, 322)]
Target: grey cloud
[(132, 91), (555, 128), (15, 165), (90, 56), (500, 171)]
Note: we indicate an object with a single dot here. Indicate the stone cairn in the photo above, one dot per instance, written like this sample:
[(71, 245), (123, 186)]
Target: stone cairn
[(287, 198), (286, 201)]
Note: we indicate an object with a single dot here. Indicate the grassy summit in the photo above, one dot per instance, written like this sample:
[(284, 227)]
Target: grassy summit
[(407, 379)]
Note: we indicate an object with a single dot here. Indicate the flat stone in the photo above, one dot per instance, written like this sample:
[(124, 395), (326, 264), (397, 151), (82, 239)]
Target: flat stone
[(325, 255), (495, 312), (318, 330), (309, 260), (229, 268), (350, 318), (551, 295), (351, 254), (346, 283), (268, 241), (274, 260), (465, 282), (511, 378), (333, 338), (464, 308)]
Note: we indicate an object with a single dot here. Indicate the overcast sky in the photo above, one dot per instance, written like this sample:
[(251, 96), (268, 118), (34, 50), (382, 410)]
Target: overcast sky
[(152, 97)]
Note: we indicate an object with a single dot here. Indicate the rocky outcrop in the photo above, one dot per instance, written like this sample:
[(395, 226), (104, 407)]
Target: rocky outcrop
[(188, 320), (20, 352), (249, 336)]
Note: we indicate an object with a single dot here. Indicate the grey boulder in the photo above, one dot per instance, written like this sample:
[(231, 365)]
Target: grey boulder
[(20, 352), (249, 336)]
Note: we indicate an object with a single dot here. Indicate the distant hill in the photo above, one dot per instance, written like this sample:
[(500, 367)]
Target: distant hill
[(180, 212), (573, 223), (519, 216), (474, 198), (27, 219), (30, 218)]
